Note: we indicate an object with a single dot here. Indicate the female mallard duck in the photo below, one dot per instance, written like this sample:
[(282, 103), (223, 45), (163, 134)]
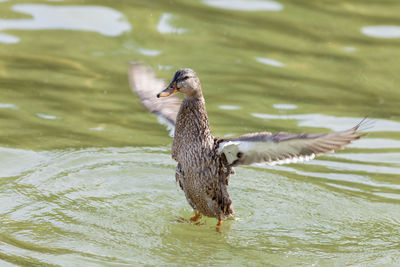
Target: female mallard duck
[(205, 162)]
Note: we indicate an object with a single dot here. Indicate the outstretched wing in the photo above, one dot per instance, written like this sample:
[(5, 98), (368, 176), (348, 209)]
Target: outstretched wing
[(281, 148), (145, 84)]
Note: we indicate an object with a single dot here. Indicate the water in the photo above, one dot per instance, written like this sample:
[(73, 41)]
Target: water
[(86, 178)]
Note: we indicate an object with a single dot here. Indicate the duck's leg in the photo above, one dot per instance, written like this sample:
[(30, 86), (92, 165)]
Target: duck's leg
[(218, 227), (197, 215)]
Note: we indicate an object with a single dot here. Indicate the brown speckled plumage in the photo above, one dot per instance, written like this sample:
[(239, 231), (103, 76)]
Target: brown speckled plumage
[(205, 162), (200, 172)]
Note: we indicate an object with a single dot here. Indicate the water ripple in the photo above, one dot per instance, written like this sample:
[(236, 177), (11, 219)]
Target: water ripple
[(333, 122), (269, 61), (249, 5), (382, 31), (118, 205), (103, 20), (165, 27)]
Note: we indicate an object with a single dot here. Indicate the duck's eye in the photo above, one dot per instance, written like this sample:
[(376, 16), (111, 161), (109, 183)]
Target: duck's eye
[(185, 78)]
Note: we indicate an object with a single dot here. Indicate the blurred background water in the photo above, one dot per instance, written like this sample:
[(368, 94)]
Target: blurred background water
[(86, 178)]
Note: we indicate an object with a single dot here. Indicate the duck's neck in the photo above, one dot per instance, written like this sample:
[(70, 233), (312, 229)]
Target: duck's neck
[(192, 129)]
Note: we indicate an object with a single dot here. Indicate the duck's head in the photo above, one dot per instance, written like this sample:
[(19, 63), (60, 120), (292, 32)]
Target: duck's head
[(184, 81)]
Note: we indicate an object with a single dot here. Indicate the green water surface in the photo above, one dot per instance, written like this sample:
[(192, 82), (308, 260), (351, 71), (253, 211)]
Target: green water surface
[(86, 178)]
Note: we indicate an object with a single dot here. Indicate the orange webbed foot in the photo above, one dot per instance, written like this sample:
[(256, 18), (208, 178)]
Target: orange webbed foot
[(196, 216), (218, 227)]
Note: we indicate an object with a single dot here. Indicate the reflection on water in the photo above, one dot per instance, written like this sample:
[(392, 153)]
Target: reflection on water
[(14, 162), (382, 31), (165, 27), (355, 167), (342, 177), (388, 195), (390, 158), (332, 122), (245, 5), (8, 39), (143, 51), (344, 187), (229, 107), (377, 143), (103, 20), (284, 106), (47, 117), (349, 49), (6, 105), (164, 67), (269, 61), (149, 52), (99, 128)]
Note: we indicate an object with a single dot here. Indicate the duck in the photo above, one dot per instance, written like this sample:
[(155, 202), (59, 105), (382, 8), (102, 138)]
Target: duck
[(206, 162)]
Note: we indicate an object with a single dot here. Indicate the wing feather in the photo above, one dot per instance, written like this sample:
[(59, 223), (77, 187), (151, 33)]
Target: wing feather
[(282, 148), (144, 83)]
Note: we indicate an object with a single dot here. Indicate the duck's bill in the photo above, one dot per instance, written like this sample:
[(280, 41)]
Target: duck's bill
[(171, 89)]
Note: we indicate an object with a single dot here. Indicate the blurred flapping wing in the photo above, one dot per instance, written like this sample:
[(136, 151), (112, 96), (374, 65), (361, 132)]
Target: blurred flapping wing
[(282, 148), (144, 83)]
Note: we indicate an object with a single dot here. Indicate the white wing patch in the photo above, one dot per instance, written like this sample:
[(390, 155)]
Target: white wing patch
[(230, 149), (295, 159), (270, 152)]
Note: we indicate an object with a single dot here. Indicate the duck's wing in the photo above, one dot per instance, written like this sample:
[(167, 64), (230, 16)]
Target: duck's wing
[(281, 148), (144, 83)]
